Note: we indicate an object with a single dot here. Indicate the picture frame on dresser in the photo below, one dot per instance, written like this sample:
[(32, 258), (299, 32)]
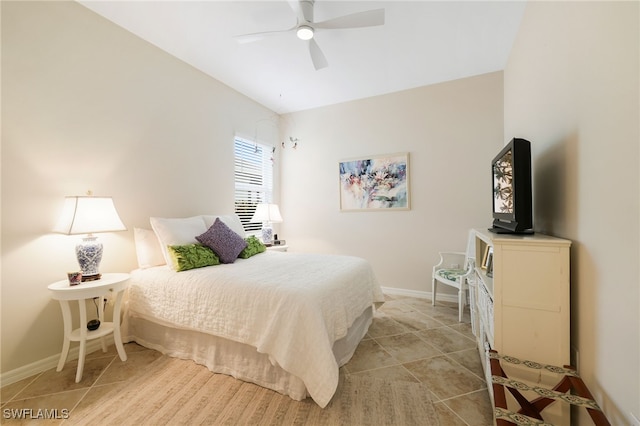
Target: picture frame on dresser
[(487, 258)]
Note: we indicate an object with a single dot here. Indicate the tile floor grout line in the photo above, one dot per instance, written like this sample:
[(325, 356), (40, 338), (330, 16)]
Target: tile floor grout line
[(104, 370), (454, 413), (463, 366), (84, 395), (13, 398), (414, 376), (462, 334), (88, 388), (48, 394), (463, 394)]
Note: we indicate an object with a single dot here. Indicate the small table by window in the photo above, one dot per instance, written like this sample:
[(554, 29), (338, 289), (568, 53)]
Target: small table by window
[(282, 247), (109, 286)]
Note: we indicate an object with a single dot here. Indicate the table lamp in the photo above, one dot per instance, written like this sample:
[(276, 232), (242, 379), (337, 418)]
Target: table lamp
[(267, 214), (89, 215)]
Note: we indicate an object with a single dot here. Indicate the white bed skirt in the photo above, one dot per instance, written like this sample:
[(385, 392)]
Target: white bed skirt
[(239, 360)]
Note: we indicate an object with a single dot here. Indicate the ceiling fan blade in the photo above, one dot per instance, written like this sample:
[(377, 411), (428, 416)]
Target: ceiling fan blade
[(250, 38), (295, 6), (307, 9), (317, 57), (303, 10), (370, 18)]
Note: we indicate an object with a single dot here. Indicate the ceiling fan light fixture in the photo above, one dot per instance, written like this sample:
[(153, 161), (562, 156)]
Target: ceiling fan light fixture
[(304, 32)]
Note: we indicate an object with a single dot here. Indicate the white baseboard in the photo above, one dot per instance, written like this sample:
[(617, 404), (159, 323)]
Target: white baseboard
[(48, 363), (419, 294)]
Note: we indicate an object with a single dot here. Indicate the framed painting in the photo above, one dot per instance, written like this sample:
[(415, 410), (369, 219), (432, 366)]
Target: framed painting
[(375, 183)]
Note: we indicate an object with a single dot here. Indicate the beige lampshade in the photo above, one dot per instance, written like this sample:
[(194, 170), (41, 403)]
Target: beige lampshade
[(267, 213), (88, 215)]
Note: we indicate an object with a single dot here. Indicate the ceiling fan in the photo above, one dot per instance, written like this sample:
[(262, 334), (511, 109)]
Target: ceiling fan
[(306, 27)]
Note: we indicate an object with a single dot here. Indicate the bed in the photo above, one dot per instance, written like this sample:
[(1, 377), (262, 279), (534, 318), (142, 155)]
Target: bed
[(285, 321)]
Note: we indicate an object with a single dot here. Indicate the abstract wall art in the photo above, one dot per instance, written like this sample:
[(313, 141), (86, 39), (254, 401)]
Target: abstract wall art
[(375, 183)]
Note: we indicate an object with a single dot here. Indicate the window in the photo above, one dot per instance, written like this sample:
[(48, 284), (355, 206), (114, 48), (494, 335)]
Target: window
[(253, 179)]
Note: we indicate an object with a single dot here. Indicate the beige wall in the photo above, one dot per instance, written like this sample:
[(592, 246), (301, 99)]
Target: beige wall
[(87, 105), (93, 107), (571, 87), (451, 131)]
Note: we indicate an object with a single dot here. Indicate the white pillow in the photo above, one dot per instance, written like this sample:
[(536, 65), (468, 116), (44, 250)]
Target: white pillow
[(177, 231), (231, 220), (148, 248)]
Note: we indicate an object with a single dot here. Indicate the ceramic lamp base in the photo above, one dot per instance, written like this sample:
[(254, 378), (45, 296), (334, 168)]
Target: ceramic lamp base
[(267, 235), (89, 254)]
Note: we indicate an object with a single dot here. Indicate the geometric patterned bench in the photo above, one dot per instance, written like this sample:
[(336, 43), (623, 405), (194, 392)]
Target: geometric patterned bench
[(570, 389)]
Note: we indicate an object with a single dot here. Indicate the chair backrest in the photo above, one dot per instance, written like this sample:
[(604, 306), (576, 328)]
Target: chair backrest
[(470, 254)]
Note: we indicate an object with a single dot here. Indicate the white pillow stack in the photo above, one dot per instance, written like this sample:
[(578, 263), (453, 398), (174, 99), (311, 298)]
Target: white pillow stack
[(148, 248), (177, 232), (151, 246)]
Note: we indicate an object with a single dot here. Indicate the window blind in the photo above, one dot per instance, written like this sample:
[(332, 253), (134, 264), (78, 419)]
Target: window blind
[(253, 179)]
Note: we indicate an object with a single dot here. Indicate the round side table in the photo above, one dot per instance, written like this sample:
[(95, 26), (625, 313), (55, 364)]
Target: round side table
[(109, 286)]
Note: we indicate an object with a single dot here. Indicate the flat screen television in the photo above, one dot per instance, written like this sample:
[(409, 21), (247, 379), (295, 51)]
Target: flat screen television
[(511, 187)]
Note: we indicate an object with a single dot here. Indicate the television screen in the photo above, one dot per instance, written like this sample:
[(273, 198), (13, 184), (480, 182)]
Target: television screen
[(511, 187), (503, 184)]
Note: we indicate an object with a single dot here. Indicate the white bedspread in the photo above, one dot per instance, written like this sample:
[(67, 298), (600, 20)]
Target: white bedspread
[(290, 306)]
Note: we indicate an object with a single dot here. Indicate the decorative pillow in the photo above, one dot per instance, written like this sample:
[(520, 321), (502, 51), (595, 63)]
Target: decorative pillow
[(148, 248), (223, 241), (177, 231), (254, 246), (191, 256), (231, 220)]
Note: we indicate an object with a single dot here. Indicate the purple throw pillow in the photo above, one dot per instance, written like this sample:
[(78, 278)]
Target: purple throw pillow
[(223, 241)]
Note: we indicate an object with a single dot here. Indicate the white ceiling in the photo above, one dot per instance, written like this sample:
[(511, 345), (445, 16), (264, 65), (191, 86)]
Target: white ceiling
[(421, 43)]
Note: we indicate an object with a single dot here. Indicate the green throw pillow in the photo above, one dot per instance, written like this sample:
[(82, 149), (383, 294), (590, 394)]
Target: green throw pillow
[(191, 256), (254, 246)]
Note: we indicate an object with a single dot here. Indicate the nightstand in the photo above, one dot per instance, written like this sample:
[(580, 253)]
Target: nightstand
[(283, 247), (109, 286)]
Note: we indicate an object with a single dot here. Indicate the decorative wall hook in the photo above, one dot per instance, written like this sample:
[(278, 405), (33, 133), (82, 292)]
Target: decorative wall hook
[(294, 142)]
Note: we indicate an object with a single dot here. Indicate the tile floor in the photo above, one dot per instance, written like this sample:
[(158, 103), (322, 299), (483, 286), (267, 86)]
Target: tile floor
[(408, 340)]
